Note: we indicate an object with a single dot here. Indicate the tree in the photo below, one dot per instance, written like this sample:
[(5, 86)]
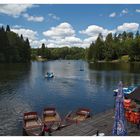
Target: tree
[(12, 47), (7, 28), (90, 51), (43, 50), (134, 50), (28, 50), (21, 36), (109, 50), (98, 52), (137, 34)]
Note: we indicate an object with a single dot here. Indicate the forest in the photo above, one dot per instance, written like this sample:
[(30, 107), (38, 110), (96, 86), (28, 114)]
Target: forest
[(13, 48), (113, 47), (68, 53)]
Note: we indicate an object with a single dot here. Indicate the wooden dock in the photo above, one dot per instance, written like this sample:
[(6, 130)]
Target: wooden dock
[(102, 122)]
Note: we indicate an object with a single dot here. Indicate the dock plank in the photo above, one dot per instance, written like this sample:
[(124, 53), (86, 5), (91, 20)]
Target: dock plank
[(102, 122)]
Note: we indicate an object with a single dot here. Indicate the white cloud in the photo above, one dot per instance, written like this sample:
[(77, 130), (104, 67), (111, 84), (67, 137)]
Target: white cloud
[(94, 30), (124, 12), (138, 10), (17, 26), (68, 41), (33, 18), (38, 43), (64, 35), (61, 31), (27, 33), (90, 39), (112, 15), (31, 35), (53, 16), (128, 27), (14, 10)]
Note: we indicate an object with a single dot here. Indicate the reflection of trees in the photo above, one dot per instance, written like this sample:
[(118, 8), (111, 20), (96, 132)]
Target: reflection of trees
[(13, 81), (10, 72), (106, 74), (134, 67), (109, 66)]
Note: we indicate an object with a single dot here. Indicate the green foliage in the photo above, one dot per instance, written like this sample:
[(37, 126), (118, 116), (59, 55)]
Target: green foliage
[(12, 47), (114, 47), (7, 28), (60, 53), (124, 58)]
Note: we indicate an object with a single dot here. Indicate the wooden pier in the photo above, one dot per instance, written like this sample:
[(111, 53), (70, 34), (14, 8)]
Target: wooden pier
[(102, 122)]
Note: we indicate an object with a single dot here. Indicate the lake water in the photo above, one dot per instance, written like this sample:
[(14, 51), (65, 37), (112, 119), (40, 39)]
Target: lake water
[(23, 88)]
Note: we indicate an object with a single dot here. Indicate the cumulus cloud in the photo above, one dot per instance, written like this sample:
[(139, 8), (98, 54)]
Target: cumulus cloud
[(38, 43), (61, 31), (33, 18), (65, 35), (53, 16), (62, 35), (14, 10), (112, 15), (128, 27), (31, 35), (27, 33), (94, 30), (138, 10)]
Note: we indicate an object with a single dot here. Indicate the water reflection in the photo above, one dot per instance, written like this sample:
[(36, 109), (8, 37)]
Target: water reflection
[(24, 88)]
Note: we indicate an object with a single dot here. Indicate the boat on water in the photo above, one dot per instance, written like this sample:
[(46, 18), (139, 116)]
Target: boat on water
[(78, 116), (126, 90), (51, 119), (32, 124), (49, 75), (81, 69)]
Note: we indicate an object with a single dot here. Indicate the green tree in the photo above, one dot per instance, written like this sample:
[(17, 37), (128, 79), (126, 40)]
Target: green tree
[(90, 51), (43, 50), (7, 28), (99, 49)]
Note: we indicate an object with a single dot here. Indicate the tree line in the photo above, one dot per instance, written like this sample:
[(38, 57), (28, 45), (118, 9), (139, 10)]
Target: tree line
[(13, 48), (114, 47), (58, 53)]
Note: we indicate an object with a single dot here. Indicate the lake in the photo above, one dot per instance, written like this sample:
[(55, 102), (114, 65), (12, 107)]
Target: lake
[(23, 88)]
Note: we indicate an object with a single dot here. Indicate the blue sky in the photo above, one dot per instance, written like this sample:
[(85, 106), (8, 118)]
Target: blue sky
[(59, 25)]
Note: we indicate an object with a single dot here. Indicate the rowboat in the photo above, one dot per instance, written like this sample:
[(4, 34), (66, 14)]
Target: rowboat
[(80, 115), (51, 119), (32, 124)]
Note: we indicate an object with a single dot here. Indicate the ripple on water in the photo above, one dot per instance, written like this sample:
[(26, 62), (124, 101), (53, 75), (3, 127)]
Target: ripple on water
[(24, 89)]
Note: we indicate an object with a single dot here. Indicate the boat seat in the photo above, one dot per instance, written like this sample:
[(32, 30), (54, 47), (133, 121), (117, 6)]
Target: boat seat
[(82, 113), (30, 117), (32, 123), (50, 118), (49, 113)]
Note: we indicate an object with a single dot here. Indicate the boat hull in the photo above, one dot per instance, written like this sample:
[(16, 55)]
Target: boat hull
[(32, 125)]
